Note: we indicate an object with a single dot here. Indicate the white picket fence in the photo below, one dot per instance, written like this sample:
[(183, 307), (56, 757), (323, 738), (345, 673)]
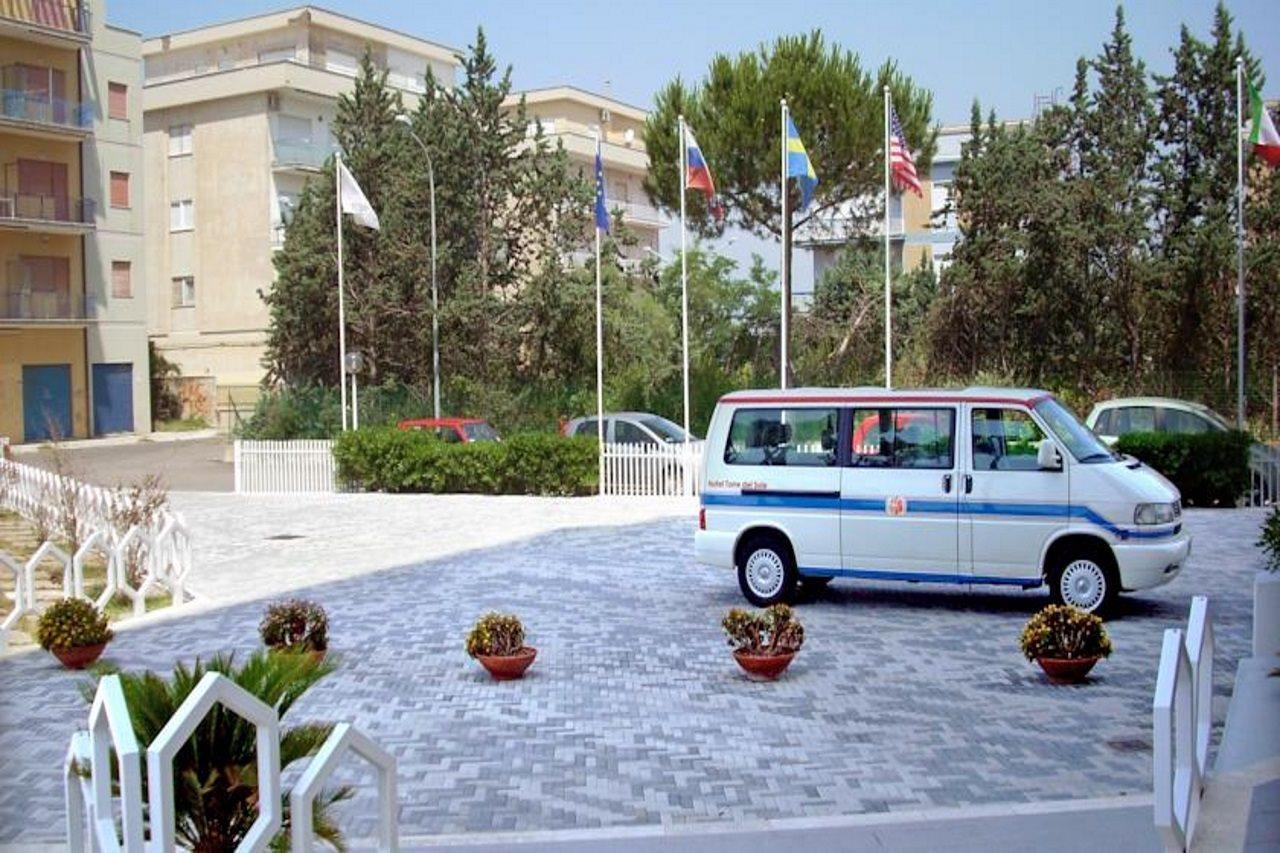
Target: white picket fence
[(92, 808), (278, 467), (664, 470), (1182, 721), (161, 552), (1264, 475)]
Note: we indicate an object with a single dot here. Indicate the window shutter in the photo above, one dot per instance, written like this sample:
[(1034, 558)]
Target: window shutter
[(121, 280), (118, 101), (119, 189)]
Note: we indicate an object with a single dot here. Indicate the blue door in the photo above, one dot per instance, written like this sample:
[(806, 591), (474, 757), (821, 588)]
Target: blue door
[(112, 398), (46, 402)]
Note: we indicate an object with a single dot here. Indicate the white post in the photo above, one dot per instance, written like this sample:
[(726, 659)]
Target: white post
[(786, 273), (888, 292), (1240, 413), (599, 351), (684, 291), (238, 467), (355, 405), (342, 315)]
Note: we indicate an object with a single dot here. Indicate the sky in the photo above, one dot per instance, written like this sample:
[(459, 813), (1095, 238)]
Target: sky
[(1005, 53)]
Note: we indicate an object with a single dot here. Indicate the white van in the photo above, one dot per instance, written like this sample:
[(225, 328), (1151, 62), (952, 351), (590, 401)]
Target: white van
[(979, 486)]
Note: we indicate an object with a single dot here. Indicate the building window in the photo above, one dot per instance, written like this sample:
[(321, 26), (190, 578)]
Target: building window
[(341, 62), (182, 215), (184, 291), (179, 140), (121, 280), (281, 53), (120, 189), (118, 101)]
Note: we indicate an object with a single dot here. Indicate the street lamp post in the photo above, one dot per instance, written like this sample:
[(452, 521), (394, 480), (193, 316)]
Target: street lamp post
[(435, 292)]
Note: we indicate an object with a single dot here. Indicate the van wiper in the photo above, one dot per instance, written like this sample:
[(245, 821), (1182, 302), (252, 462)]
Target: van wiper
[(1098, 457)]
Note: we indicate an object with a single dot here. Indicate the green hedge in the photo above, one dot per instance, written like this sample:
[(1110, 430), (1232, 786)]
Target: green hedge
[(387, 459), (1209, 468)]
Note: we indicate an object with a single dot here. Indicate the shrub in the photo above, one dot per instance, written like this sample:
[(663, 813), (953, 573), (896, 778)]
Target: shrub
[(774, 631), (391, 460), (1269, 541), (72, 623), (315, 411), (496, 634), (1063, 632), (1209, 468), (295, 624)]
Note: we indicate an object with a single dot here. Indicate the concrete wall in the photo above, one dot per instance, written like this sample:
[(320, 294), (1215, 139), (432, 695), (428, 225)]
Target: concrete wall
[(42, 345)]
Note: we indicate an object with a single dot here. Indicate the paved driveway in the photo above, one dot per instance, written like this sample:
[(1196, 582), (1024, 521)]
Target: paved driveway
[(903, 697), (185, 464)]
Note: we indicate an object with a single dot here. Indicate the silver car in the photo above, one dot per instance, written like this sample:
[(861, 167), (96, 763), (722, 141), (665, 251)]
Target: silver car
[(631, 428), (1114, 418)]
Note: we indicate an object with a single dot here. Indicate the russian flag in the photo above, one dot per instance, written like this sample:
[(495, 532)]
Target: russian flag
[(698, 174)]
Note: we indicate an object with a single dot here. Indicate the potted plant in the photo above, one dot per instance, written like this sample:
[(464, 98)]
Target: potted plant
[(497, 641), (1066, 642), (74, 631), (296, 625), (764, 642)]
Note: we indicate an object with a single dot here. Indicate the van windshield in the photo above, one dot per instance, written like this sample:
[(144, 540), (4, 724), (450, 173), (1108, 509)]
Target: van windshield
[(1078, 439)]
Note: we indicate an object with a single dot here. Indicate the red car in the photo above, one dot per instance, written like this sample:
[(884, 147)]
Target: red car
[(460, 430)]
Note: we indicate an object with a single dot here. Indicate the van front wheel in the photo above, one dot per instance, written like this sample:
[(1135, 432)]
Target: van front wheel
[(767, 571), (1085, 580)]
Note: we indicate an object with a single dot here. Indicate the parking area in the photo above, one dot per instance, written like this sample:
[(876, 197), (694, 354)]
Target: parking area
[(903, 698), (185, 464)]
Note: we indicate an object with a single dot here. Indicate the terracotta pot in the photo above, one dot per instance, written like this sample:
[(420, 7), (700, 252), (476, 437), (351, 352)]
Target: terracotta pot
[(1066, 670), (79, 657), (767, 667), (508, 667)]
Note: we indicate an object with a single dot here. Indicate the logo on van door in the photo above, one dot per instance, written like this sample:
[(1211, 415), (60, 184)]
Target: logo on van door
[(895, 506)]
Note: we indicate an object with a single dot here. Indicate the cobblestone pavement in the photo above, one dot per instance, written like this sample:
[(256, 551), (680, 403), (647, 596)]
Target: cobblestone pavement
[(903, 698)]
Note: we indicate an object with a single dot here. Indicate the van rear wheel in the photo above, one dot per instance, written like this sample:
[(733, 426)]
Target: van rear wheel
[(766, 570), (1085, 579)]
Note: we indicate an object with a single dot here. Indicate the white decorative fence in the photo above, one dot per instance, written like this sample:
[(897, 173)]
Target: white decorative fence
[(1264, 475), (274, 467), (1182, 720), (651, 469), (92, 807), (138, 560)]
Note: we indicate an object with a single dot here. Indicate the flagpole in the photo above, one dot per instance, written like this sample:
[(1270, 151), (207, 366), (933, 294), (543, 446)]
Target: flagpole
[(342, 315), (888, 299), (684, 293), (1240, 413), (599, 350), (786, 273)]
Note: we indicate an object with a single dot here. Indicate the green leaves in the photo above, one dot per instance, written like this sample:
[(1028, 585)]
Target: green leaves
[(1208, 468)]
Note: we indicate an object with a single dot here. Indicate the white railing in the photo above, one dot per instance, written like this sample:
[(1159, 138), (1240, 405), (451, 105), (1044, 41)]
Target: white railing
[(153, 556), (91, 803), (1264, 475), (665, 470), (1182, 720), (266, 467)]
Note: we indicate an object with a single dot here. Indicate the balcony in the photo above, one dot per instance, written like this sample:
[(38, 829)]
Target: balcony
[(42, 116), (638, 215), (52, 22), (299, 155), (20, 302), (48, 214)]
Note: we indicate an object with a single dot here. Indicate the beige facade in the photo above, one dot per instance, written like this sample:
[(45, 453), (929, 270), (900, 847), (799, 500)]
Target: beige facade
[(573, 117), (73, 344), (238, 117)]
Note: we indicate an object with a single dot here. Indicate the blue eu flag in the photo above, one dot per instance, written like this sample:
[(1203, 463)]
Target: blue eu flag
[(602, 212)]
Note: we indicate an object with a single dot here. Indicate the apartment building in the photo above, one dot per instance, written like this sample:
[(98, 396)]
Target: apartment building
[(238, 116), (73, 343), (572, 116)]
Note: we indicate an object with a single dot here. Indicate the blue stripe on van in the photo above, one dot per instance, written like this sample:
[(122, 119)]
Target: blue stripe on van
[(1023, 510), (923, 577)]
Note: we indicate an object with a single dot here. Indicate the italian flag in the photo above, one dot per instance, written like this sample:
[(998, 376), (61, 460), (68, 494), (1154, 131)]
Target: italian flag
[(1263, 136)]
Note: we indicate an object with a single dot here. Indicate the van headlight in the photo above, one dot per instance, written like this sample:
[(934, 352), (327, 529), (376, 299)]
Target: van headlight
[(1157, 513)]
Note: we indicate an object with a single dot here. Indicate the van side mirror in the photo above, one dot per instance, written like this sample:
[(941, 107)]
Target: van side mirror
[(1048, 457)]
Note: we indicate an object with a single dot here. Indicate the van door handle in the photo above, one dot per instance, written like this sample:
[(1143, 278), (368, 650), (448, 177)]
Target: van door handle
[(968, 484), (946, 484)]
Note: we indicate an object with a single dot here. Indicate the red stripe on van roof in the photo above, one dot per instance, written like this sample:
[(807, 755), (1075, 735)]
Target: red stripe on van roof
[(778, 398)]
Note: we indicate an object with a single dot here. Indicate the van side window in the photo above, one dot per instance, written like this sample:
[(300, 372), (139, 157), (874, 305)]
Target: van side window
[(903, 438), (1005, 440), (804, 437)]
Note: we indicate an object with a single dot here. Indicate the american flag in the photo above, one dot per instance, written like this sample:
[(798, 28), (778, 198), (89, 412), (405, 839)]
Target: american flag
[(902, 167)]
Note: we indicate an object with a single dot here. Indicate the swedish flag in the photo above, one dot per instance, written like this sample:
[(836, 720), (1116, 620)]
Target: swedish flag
[(799, 166)]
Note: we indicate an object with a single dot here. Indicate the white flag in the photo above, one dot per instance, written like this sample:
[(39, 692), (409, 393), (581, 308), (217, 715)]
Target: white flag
[(353, 200)]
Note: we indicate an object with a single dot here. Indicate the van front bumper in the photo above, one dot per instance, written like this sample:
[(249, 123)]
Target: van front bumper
[(714, 548), (1146, 564)]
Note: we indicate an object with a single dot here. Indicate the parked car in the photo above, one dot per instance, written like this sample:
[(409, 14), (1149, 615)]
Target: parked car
[(630, 428), (1114, 418), (981, 486), (460, 430)]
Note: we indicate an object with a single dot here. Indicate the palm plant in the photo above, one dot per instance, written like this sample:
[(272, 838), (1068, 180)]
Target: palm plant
[(215, 771)]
